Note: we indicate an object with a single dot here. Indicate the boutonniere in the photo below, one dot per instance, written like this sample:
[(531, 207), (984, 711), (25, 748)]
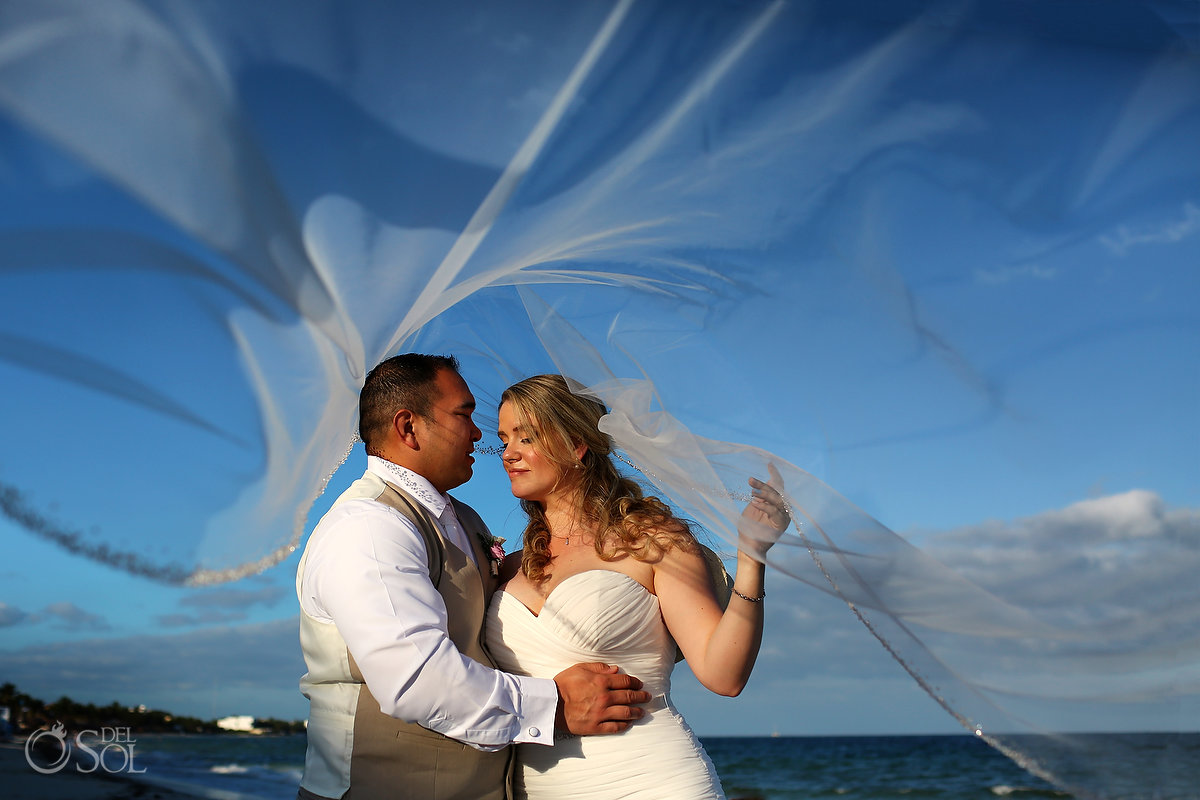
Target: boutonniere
[(494, 546)]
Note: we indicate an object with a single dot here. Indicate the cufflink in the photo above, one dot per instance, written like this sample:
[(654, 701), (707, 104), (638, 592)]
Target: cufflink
[(534, 732)]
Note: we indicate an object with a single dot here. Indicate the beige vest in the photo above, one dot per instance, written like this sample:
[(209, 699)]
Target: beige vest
[(355, 750)]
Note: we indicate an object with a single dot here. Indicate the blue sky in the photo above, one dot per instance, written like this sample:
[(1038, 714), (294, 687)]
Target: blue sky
[(957, 281)]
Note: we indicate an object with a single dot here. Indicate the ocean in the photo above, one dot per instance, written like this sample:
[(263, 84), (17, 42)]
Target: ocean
[(235, 767)]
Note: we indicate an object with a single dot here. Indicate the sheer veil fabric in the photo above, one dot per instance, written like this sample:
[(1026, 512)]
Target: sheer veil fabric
[(715, 217)]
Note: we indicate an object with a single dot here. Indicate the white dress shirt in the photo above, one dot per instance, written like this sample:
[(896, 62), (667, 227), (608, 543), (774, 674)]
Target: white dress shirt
[(367, 571)]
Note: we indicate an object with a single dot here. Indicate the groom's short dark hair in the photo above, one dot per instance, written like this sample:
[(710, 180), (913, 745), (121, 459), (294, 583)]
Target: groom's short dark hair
[(404, 381)]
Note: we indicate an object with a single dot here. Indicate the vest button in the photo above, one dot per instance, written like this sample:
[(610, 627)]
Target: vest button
[(534, 732)]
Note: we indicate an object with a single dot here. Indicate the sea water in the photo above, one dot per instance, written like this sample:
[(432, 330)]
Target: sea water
[(768, 768), (869, 767)]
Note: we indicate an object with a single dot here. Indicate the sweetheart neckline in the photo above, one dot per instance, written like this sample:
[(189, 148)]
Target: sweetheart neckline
[(563, 583)]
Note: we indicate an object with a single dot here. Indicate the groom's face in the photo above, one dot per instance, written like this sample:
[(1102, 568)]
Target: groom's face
[(447, 434)]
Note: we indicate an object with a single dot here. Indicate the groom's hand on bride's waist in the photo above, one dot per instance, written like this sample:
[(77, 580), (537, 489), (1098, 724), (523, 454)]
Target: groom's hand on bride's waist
[(597, 698)]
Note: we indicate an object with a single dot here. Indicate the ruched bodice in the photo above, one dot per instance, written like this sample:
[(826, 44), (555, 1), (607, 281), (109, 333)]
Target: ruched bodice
[(602, 615)]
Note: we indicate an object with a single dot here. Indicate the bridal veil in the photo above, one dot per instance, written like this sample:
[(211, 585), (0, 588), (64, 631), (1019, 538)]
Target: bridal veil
[(804, 233)]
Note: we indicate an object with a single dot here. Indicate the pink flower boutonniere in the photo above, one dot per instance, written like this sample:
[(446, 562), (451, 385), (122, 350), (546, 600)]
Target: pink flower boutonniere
[(494, 546)]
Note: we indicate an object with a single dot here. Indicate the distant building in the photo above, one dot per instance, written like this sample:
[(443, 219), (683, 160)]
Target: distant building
[(240, 724)]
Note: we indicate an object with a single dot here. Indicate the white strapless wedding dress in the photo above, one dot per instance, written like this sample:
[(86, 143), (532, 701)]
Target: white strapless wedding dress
[(602, 615)]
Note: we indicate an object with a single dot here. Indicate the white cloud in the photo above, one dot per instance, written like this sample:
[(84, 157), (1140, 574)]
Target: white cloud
[(1110, 639), (1002, 275), (233, 597), (68, 616), (1170, 231), (250, 669), (11, 615), (1122, 554), (1114, 577), (206, 617), (223, 604), (73, 618)]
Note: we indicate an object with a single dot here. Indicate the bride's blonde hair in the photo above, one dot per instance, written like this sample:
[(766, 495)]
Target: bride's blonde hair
[(626, 521)]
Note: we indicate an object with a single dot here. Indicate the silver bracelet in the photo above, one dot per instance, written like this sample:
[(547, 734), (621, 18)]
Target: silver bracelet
[(750, 599)]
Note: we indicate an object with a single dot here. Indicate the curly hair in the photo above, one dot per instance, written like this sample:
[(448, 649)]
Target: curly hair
[(627, 521)]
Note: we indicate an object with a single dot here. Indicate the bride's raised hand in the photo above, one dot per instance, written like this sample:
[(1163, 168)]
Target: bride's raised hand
[(722, 645), (766, 516)]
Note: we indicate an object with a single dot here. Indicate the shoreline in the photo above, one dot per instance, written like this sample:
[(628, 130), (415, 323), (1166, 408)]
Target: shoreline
[(22, 782)]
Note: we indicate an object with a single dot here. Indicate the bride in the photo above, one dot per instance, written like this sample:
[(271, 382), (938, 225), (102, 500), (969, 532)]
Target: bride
[(607, 574)]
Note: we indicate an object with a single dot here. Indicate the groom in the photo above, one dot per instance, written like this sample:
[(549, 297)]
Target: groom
[(393, 586)]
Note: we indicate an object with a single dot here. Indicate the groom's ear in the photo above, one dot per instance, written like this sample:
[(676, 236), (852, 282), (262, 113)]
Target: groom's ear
[(404, 429)]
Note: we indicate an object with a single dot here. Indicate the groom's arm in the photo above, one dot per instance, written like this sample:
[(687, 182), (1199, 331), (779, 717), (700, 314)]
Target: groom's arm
[(369, 575)]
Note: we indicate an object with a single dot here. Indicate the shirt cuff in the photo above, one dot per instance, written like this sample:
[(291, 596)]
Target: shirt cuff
[(539, 705)]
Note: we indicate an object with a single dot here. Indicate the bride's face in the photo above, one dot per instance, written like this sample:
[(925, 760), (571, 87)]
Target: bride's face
[(531, 474)]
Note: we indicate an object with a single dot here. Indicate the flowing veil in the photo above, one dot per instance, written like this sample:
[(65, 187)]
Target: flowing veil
[(760, 232)]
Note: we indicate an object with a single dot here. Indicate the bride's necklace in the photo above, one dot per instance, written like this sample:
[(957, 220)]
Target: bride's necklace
[(566, 538), (576, 529)]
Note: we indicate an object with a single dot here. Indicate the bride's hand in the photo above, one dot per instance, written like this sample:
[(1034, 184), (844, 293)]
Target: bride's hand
[(765, 518)]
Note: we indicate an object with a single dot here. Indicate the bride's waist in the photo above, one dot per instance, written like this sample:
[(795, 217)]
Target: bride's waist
[(660, 715), (654, 679)]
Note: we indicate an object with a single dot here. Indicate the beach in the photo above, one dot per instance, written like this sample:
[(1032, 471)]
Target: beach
[(21, 782)]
